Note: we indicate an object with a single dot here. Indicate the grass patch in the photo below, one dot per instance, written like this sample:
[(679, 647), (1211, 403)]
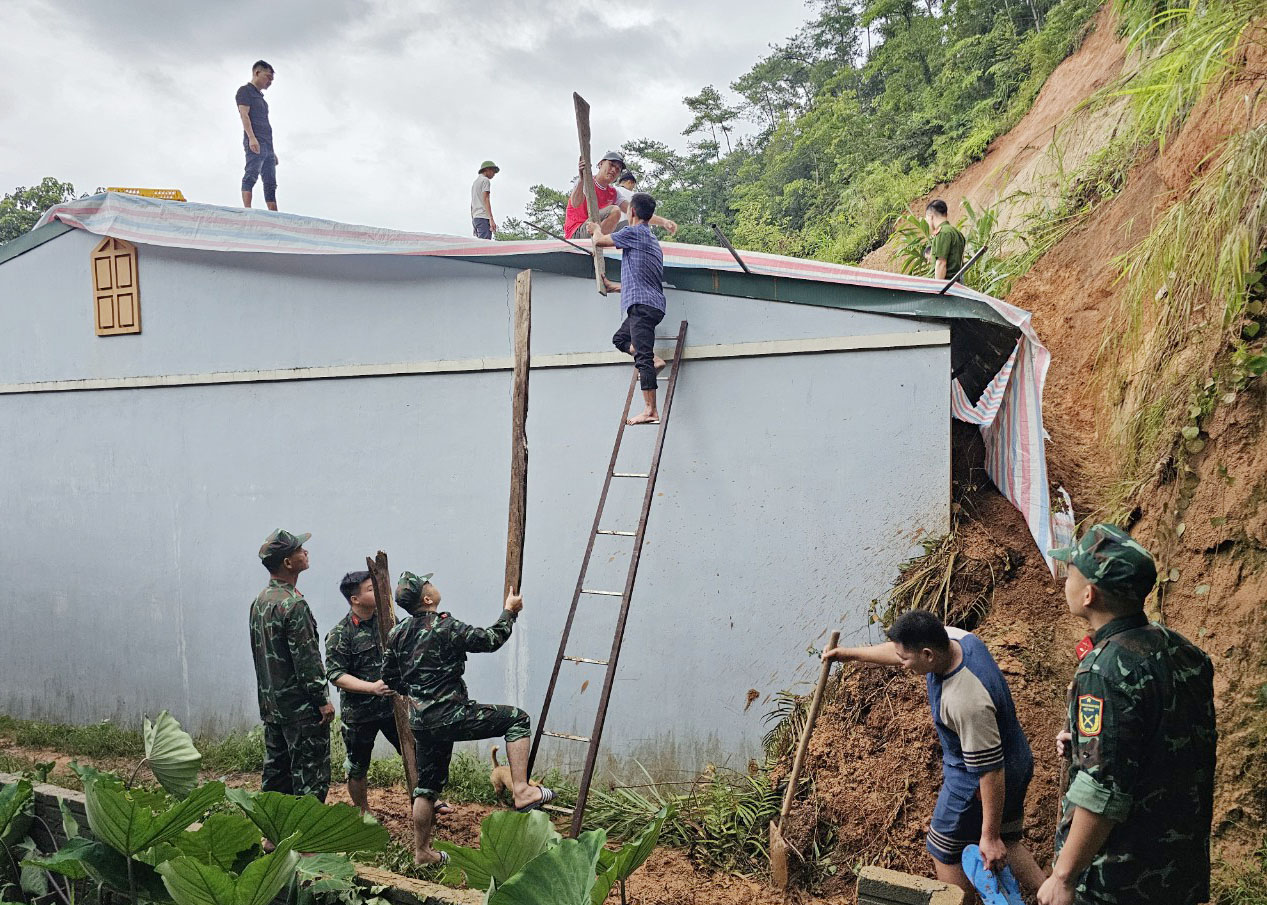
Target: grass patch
[(1241, 884), (237, 752), (103, 739)]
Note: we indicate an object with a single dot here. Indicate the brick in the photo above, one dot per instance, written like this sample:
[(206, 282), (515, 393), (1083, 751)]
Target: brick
[(879, 886)]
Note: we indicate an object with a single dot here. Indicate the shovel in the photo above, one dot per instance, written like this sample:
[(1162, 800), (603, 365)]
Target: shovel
[(778, 845)]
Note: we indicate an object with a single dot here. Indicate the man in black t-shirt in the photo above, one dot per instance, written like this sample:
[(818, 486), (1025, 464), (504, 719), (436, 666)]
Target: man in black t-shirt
[(257, 135)]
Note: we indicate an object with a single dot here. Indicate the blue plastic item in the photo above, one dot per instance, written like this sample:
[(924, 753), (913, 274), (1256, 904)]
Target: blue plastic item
[(996, 888)]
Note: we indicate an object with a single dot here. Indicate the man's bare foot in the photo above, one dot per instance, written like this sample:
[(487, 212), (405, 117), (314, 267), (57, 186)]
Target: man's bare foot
[(651, 416), (428, 856), (659, 364)]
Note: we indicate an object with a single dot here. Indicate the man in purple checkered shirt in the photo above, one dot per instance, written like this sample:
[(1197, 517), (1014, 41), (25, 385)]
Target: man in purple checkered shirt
[(642, 296)]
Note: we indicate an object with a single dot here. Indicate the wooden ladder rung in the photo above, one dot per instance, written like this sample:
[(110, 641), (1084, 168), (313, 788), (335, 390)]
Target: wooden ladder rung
[(603, 593), (556, 809), (629, 474), (564, 735), (586, 660), (617, 533)]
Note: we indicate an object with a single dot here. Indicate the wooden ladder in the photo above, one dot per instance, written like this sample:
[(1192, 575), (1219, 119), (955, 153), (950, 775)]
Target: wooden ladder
[(592, 741)]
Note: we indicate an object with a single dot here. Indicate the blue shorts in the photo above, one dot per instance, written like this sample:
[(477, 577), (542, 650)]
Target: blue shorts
[(957, 818)]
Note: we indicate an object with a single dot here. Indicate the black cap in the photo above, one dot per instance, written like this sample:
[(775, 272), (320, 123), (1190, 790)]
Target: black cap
[(613, 155)]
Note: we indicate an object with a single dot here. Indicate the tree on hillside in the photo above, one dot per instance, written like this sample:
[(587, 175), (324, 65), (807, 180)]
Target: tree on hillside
[(711, 113), (546, 208), (21, 209)]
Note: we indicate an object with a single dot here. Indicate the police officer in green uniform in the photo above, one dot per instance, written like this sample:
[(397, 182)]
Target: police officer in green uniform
[(291, 680), (1135, 826), (425, 660), (354, 664)]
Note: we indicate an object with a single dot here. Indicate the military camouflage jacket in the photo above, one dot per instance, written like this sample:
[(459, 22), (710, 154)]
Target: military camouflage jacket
[(426, 657), (353, 648), (1141, 710), (288, 670)]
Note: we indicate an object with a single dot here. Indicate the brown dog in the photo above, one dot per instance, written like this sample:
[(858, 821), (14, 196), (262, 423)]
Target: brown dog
[(500, 777)]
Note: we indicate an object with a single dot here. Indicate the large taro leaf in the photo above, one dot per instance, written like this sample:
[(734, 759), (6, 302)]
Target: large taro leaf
[(508, 841), (561, 875), (17, 811), (106, 866), (220, 839), (327, 873), (616, 867), (316, 827), (132, 820), (171, 755), (67, 860), (193, 882)]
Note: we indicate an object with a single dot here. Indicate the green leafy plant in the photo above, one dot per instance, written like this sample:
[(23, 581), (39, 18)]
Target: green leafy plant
[(616, 867)]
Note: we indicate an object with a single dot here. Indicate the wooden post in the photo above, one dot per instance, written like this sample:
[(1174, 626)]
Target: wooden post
[(519, 434), (587, 182), (381, 576)]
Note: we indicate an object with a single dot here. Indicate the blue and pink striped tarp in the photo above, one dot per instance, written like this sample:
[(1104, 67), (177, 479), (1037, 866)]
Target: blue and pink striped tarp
[(1009, 411)]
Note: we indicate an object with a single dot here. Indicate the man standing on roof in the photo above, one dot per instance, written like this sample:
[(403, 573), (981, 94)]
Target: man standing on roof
[(257, 135), (946, 252), (425, 660), (986, 760), (1141, 732), (642, 301), (482, 202), (294, 705)]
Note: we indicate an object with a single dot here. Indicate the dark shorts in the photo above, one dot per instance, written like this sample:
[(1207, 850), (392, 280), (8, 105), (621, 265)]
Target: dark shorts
[(261, 166), (433, 744), (638, 331), (957, 819), (482, 227), (296, 759), (583, 231), (359, 739)]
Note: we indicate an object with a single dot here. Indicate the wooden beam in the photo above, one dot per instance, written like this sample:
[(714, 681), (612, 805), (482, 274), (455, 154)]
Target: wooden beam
[(587, 182), (381, 576), (519, 434)]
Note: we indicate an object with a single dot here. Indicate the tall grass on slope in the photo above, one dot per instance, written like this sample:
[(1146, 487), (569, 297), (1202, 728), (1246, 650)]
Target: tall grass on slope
[(1186, 282), (1185, 49)]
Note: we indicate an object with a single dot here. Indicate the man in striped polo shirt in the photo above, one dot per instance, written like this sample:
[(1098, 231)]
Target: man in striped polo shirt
[(986, 760)]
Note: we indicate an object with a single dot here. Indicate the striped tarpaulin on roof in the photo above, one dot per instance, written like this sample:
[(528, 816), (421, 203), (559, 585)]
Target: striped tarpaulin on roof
[(1009, 411)]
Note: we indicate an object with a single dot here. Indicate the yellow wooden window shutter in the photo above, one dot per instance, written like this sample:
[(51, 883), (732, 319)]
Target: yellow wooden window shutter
[(115, 290)]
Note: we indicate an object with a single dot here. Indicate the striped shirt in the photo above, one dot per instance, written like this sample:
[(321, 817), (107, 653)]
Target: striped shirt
[(641, 267), (975, 717)]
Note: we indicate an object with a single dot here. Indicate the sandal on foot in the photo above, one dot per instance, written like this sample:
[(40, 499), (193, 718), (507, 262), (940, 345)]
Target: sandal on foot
[(996, 887), (547, 796), (444, 859), (442, 808)]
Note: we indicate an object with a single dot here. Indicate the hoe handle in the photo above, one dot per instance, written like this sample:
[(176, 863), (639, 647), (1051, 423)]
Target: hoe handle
[(814, 707)]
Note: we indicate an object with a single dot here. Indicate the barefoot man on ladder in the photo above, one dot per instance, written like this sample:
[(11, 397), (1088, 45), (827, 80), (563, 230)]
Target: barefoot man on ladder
[(641, 296)]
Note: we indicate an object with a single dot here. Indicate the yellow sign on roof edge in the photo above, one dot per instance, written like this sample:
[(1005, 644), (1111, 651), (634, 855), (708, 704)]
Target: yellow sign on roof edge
[(165, 194)]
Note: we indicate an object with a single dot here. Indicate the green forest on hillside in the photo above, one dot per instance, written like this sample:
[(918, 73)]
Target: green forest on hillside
[(868, 106)]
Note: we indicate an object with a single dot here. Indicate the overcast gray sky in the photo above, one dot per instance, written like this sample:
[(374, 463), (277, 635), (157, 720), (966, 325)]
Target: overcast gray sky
[(381, 110)]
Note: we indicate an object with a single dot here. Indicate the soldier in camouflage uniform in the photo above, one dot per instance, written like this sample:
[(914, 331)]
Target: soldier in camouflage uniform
[(425, 660), (1135, 826), (354, 663), (291, 680)]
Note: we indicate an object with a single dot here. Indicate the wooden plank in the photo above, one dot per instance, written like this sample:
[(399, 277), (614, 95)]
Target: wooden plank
[(587, 182), (381, 576), (518, 518)]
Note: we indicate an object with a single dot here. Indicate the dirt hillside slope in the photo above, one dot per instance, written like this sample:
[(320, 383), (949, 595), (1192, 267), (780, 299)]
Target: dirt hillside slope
[(876, 762)]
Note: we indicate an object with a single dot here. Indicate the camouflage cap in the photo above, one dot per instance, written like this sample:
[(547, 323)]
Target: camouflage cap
[(281, 543), (1111, 559), (409, 589)]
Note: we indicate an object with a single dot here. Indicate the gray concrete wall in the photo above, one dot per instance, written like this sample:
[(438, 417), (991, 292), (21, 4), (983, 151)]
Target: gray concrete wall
[(792, 487)]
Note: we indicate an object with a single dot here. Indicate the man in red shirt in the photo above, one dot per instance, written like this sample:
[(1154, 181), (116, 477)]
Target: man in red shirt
[(575, 224)]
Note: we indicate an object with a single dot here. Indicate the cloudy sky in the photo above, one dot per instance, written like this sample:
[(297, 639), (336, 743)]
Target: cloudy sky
[(381, 110)]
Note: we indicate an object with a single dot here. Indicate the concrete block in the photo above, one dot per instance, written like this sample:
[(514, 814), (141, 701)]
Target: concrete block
[(879, 886)]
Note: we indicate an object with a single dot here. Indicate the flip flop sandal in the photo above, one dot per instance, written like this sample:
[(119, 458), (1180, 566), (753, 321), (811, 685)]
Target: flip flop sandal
[(547, 796), (443, 808), (996, 887)]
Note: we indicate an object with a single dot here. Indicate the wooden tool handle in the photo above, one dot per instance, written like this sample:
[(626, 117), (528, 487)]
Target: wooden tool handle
[(815, 705)]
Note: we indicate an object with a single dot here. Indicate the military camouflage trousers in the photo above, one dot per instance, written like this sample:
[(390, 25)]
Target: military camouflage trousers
[(467, 721), (296, 759)]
